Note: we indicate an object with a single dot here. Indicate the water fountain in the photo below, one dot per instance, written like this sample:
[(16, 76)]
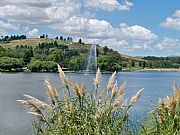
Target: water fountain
[(92, 60)]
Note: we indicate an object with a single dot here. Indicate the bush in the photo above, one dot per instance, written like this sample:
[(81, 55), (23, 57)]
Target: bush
[(7, 63), (77, 63), (86, 113), (41, 66), (109, 63), (165, 119)]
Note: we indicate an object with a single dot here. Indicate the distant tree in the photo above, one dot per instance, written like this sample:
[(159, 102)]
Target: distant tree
[(55, 44), (132, 63), (80, 41), (23, 37), (41, 66), (43, 36), (21, 46), (61, 37), (27, 57), (109, 63), (7, 63), (97, 51), (17, 47), (77, 63), (69, 39), (105, 49)]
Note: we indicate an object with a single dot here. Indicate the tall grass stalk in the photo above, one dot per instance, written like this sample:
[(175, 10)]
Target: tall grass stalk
[(165, 119), (105, 114)]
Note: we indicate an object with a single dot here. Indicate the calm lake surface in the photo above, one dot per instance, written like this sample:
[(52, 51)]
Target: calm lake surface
[(14, 119)]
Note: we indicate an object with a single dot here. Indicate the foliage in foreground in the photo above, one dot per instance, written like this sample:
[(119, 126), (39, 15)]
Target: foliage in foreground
[(86, 113), (165, 119)]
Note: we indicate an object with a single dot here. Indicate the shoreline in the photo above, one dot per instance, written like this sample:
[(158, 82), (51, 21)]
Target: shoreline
[(105, 72), (159, 70)]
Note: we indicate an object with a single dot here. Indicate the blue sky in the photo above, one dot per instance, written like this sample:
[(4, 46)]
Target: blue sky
[(134, 27)]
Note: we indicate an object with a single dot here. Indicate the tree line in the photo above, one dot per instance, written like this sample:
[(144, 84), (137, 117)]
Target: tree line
[(45, 55), (13, 37)]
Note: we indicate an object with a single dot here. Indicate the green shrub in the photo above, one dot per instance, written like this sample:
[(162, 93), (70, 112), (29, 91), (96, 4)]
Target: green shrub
[(41, 66), (7, 63), (165, 119), (86, 113)]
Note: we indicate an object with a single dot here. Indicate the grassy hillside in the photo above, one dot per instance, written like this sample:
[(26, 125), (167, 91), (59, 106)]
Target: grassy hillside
[(37, 53), (73, 45)]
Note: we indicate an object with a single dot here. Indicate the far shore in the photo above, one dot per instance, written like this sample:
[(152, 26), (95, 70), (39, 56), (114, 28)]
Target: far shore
[(160, 70), (105, 72)]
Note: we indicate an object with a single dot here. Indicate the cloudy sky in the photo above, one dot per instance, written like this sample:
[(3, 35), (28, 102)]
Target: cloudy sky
[(134, 27)]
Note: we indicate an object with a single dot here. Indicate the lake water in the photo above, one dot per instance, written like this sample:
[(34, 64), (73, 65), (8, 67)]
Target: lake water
[(14, 119)]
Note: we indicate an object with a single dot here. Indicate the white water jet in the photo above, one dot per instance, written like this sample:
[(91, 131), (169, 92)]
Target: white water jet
[(92, 60)]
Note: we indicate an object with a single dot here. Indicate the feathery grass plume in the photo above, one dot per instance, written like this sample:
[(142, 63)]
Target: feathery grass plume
[(135, 97), (111, 81), (117, 100), (170, 103), (83, 88), (51, 91), (176, 92), (114, 90), (38, 103), (72, 108), (123, 106), (30, 106), (63, 77), (161, 109), (97, 114), (40, 116), (161, 103), (106, 106), (161, 115), (119, 95), (66, 100), (100, 97), (97, 79), (76, 88), (122, 88)]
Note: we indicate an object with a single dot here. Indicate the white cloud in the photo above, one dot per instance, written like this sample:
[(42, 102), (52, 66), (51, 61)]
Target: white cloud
[(85, 27), (172, 22), (38, 12), (67, 17), (7, 25), (108, 5), (2, 32), (168, 44), (33, 3), (23, 14), (115, 42), (62, 10), (140, 47), (25, 28), (33, 32), (138, 33), (125, 45), (101, 29)]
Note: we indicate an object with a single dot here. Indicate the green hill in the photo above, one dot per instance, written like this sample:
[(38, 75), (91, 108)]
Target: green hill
[(72, 45), (42, 54)]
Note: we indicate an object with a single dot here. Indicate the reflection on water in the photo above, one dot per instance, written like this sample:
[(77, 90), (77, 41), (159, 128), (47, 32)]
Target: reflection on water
[(14, 119)]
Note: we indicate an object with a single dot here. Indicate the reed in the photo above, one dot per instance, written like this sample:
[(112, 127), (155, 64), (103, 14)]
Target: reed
[(105, 114), (165, 119)]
